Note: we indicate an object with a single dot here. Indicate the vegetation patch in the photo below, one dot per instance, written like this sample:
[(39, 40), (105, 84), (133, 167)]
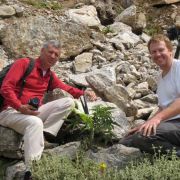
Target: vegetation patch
[(53, 5), (53, 167)]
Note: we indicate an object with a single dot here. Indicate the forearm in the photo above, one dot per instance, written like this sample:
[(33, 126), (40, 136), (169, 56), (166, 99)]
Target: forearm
[(172, 110)]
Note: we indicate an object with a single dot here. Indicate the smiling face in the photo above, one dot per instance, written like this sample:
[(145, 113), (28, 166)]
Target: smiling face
[(161, 55), (49, 56)]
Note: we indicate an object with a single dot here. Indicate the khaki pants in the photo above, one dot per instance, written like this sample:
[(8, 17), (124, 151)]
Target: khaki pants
[(50, 120)]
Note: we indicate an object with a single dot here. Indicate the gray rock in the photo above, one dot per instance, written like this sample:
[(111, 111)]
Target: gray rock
[(15, 172), (10, 144), (87, 15), (31, 32), (6, 11), (128, 16), (159, 2), (116, 156), (144, 113), (70, 150), (83, 63), (19, 10)]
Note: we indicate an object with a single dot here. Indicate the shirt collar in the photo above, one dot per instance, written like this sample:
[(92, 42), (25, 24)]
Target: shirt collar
[(38, 65)]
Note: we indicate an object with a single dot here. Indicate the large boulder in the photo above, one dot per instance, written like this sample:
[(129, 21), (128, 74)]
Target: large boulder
[(115, 156), (25, 36), (159, 2), (87, 15), (10, 144)]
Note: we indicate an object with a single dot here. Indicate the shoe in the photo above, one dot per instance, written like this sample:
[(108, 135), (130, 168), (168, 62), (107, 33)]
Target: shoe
[(178, 153), (28, 175), (49, 137), (48, 145)]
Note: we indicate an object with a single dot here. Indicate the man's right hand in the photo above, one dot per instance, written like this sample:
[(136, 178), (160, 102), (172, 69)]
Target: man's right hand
[(28, 109)]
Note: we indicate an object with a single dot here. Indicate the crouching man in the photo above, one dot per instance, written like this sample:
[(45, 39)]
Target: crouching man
[(163, 130)]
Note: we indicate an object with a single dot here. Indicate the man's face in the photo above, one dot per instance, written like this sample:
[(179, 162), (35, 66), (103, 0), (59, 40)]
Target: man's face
[(49, 56), (160, 54)]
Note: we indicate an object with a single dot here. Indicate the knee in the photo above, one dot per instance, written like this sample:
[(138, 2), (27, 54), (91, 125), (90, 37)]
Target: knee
[(68, 103), (135, 140), (35, 123)]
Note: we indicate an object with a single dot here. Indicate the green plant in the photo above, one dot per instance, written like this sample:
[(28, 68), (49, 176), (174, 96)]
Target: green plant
[(54, 5), (98, 124), (81, 168), (152, 29), (107, 30)]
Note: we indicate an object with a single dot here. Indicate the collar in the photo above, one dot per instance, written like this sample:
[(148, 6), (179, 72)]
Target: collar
[(38, 65)]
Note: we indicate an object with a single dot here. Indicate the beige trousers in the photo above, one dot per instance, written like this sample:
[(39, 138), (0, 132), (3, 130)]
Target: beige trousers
[(50, 120)]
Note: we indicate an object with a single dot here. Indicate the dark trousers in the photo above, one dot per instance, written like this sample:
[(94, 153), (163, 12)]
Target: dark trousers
[(167, 138)]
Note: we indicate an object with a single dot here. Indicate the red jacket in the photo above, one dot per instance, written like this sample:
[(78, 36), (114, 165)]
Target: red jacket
[(35, 86)]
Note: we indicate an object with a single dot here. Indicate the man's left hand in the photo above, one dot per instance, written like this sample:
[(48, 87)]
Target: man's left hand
[(149, 127), (91, 94)]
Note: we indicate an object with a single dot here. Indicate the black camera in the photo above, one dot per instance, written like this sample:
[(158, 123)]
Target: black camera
[(34, 102), (173, 33)]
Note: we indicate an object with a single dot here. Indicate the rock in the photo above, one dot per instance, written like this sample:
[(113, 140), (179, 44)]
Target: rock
[(126, 3), (151, 98), (106, 11), (19, 10), (28, 41), (87, 15), (118, 95), (10, 144), (128, 16), (15, 172), (140, 23), (128, 39), (3, 58), (152, 83), (140, 104), (69, 150), (160, 2), (117, 114), (55, 94), (116, 156), (119, 27), (145, 37), (177, 22), (83, 63), (144, 113), (6, 11)]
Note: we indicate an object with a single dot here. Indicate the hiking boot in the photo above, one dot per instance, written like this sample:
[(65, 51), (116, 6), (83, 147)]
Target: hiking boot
[(178, 153), (28, 175), (48, 145)]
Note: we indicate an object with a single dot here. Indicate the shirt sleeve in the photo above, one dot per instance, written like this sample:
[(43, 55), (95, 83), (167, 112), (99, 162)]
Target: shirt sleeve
[(9, 85), (57, 83)]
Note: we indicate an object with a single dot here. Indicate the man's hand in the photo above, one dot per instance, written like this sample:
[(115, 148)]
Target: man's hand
[(149, 127), (28, 109), (146, 129), (91, 94)]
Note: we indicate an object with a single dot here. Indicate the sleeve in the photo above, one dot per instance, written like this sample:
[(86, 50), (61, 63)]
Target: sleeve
[(176, 77), (57, 83), (10, 81)]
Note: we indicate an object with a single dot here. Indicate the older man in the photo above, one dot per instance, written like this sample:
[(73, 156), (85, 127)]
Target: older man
[(19, 115), (163, 129)]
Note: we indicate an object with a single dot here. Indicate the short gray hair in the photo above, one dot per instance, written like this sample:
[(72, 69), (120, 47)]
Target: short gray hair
[(54, 43)]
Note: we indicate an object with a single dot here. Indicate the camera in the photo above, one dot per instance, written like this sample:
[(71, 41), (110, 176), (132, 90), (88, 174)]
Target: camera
[(34, 102), (173, 33)]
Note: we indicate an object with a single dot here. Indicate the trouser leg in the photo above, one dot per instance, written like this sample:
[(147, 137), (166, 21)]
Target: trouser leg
[(29, 126), (54, 113), (166, 139)]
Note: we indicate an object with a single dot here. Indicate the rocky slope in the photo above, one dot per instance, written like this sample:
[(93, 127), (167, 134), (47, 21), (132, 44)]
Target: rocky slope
[(103, 48)]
